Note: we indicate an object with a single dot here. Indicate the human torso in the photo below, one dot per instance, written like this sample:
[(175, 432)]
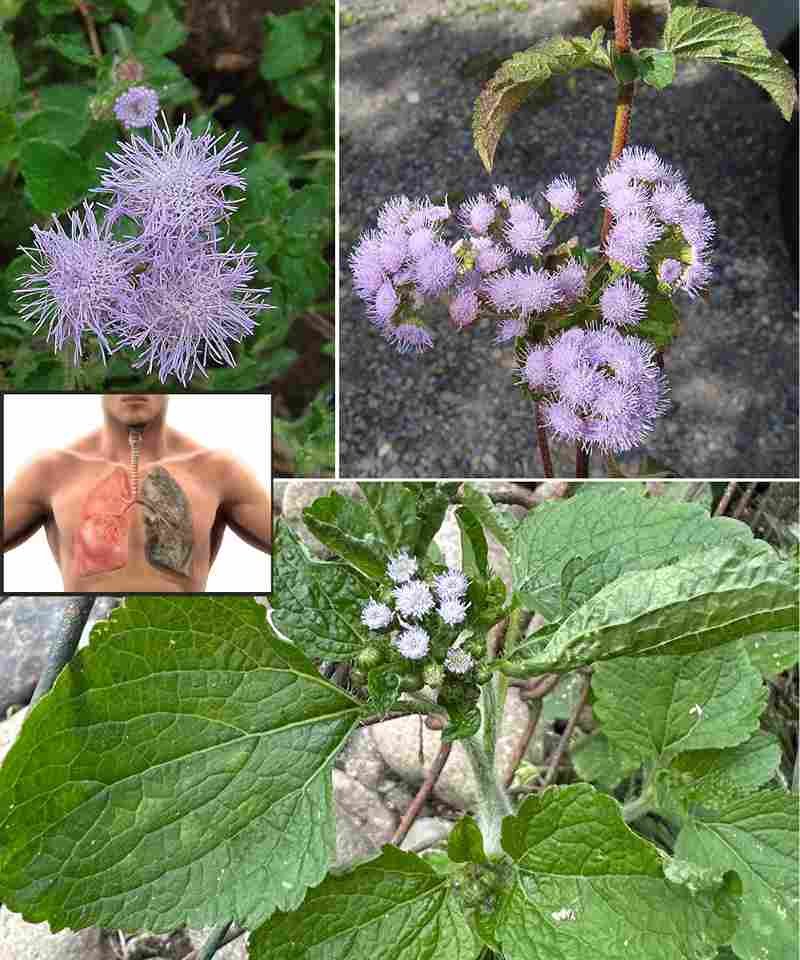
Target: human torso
[(115, 527)]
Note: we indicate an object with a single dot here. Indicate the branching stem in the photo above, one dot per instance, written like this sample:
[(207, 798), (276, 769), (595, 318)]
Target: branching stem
[(422, 794)]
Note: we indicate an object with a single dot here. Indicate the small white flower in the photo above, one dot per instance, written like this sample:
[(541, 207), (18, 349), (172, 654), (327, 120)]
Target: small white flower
[(453, 611), (458, 661), (414, 599), (413, 643), (402, 567), (451, 584), (376, 615)]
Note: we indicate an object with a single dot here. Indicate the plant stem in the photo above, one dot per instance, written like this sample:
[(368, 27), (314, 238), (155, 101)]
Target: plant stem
[(534, 712), (625, 91), (558, 753), (493, 801), (91, 30), (62, 649), (422, 794), (744, 501), (541, 439), (581, 462), (636, 808), (722, 506), (214, 942)]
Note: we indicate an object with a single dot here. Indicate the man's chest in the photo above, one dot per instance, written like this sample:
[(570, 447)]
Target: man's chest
[(111, 517)]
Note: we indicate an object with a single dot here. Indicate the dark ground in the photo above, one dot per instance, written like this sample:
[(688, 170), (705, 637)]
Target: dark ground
[(409, 75)]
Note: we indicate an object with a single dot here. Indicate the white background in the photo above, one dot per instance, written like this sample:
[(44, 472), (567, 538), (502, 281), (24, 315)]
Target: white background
[(239, 423)]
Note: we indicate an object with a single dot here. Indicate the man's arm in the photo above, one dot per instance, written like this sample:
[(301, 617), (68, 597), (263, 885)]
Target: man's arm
[(245, 504), (26, 502)]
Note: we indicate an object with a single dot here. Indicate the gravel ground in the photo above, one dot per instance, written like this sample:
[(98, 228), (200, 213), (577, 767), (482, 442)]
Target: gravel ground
[(409, 75)]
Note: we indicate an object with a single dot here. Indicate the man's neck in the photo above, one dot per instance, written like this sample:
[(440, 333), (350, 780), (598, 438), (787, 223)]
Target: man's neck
[(117, 440)]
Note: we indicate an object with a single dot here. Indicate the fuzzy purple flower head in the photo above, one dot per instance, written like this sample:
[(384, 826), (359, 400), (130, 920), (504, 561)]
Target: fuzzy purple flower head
[(175, 186), (137, 107), (563, 197), (623, 303), (81, 281)]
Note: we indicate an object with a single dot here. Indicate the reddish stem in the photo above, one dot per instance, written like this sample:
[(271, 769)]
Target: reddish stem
[(422, 794), (541, 439), (581, 462), (555, 760), (88, 20)]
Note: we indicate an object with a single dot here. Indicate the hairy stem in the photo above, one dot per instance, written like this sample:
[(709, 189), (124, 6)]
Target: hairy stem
[(62, 649), (422, 794), (636, 808), (493, 801), (625, 91), (541, 439)]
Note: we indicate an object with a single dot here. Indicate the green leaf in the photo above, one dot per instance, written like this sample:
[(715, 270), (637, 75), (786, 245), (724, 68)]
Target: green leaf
[(656, 67), (465, 721), (501, 523), (620, 531), (465, 843), (518, 77), (597, 760), (345, 527), (54, 126), (587, 886), (56, 178), (773, 653), (289, 46), (702, 601), (395, 907), (160, 32), (757, 837), (474, 549), (731, 41), (317, 604), (72, 47), (394, 510), (432, 503), (712, 778), (660, 706), (178, 772), (9, 73), (383, 686), (139, 6)]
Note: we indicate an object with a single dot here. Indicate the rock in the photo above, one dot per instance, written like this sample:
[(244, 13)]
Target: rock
[(426, 832), (398, 742), (363, 824), (237, 950), (301, 494), (396, 795), (448, 539), (27, 625), (34, 941), (361, 759)]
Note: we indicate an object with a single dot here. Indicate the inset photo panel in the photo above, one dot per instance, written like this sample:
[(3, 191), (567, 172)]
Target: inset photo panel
[(126, 493)]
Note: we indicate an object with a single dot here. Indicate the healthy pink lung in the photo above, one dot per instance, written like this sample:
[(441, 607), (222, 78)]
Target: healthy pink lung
[(101, 540)]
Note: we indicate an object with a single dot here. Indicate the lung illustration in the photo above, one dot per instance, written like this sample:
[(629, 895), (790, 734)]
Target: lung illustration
[(169, 535)]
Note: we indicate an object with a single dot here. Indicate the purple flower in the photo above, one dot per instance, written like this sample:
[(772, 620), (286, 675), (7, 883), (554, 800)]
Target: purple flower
[(137, 107), (174, 187), (562, 421), (613, 179), (491, 257), (376, 616), (453, 611), (567, 350), (508, 328), (526, 231), (458, 661), (627, 199), (536, 369), (502, 195), (394, 213), (366, 267), (412, 643), (570, 282), (408, 338), (420, 242), (426, 214), (191, 301), (697, 275), (464, 308), (531, 291), (696, 225), (80, 282), (451, 584), (385, 304), (669, 202), (637, 163), (393, 250), (477, 214), (436, 270), (562, 195), (629, 239), (669, 271), (401, 567), (623, 303)]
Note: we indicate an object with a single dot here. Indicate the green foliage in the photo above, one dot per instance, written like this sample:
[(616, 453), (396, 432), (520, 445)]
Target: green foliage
[(57, 124), (586, 885), (190, 752), (518, 77), (731, 41)]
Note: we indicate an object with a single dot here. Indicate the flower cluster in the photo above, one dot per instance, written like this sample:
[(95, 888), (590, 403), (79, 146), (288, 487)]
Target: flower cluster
[(576, 315), (170, 290), (416, 608)]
